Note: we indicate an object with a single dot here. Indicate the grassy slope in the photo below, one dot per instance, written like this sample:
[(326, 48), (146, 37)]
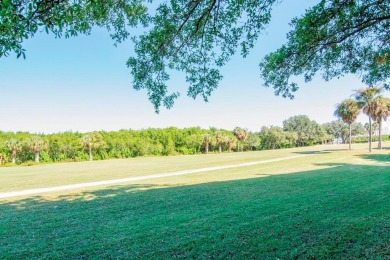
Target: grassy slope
[(331, 205)]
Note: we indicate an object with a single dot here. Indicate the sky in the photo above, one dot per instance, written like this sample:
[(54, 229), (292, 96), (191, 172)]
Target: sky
[(82, 84)]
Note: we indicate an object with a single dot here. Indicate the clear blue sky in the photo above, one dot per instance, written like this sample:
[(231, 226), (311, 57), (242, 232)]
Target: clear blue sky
[(82, 84)]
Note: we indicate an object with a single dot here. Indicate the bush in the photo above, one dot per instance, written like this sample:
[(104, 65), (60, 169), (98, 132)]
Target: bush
[(364, 139), (45, 157), (28, 163), (81, 156), (184, 150)]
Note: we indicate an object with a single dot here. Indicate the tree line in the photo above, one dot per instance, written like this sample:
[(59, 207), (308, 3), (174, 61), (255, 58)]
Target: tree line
[(26, 148)]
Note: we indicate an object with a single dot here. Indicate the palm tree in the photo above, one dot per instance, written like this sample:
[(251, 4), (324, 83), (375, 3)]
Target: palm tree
[(241, 135), (220, 139), (207, 140), (2, 158), (36, 144), (348, 111), (231, 141), (14, 146), (92, 141), (380, 111), (364, 98)]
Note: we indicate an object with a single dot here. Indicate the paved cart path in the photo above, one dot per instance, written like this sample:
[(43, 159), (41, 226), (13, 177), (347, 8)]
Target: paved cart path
[(138, 178)]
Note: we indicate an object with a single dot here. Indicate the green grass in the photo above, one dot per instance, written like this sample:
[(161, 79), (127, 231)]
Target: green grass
[(38, 176), (332, 205)]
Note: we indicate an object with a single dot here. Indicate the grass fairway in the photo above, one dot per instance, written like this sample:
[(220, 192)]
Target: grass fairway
[(334, 204)]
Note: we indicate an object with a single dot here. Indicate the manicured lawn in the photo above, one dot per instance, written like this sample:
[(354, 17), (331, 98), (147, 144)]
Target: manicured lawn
[(330, 205), (38, 176)]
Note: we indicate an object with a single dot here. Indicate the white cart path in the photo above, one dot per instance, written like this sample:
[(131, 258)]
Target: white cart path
[(138, 178)]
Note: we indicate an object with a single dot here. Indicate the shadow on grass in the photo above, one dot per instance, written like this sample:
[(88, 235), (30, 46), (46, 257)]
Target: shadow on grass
[(375, 157), (338, 212), (314, 152)]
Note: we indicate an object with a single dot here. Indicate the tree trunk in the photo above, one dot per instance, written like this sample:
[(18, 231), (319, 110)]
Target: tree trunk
[(14, 156), (380, 134), (36, 156), (90, 153), (220, 149), (350, 136), (369, 134), (207, 147)]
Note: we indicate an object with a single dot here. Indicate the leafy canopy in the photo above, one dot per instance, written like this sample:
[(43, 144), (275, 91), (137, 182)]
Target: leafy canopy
[(194, 37), (198, 37), (21, 19), (306, 129), (334, 38)]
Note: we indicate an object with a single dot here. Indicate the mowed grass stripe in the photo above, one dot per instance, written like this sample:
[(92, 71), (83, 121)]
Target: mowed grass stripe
[(132, 179)]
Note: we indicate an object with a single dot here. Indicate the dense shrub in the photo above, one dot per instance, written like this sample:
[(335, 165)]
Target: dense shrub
[(364, 139), (75, 147)]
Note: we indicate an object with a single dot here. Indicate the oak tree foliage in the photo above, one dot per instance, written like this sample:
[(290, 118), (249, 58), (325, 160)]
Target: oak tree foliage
[(22, 19), (334, 38), (197, 37)]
